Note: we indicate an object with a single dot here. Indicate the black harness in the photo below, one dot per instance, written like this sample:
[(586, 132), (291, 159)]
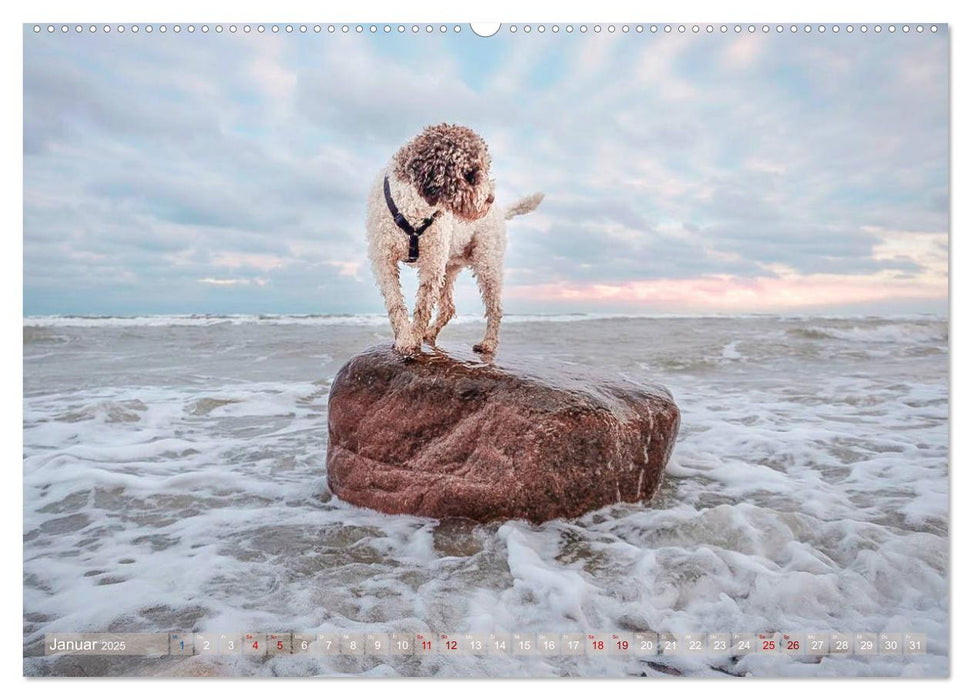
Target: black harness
[(413, 233)]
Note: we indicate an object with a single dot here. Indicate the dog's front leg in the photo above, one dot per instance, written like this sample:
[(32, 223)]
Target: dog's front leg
[(389, 281), (431, 277)]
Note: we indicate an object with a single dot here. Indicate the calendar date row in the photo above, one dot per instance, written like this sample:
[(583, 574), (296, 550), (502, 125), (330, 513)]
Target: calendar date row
[(551, 644), (507, 644)]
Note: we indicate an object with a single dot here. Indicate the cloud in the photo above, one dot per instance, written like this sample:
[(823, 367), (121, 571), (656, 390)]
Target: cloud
[(256, 260), (229, 173), (232, 282), (723, 293)]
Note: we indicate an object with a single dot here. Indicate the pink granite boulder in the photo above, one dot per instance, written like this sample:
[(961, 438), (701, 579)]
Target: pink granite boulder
[(444, 435)]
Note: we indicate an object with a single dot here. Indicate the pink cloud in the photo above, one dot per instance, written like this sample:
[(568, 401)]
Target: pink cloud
[(738, 294)]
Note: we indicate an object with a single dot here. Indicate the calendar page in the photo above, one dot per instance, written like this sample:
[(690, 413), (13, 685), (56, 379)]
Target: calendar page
[(547, 349)]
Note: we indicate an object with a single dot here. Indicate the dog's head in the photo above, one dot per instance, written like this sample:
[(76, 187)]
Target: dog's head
[(449, 167)]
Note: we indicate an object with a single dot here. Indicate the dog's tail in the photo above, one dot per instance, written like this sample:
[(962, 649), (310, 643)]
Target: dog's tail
[(524, 205)]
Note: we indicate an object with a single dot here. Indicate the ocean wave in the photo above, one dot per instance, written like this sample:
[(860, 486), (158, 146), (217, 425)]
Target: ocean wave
[(40, 334), (877, 332), (300, 319), (379, 319)]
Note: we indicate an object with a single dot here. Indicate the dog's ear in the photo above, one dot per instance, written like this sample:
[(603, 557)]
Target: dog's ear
[(429, 168), (430, 180)]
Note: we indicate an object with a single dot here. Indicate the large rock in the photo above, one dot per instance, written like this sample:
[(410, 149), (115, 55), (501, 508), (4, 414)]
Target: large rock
[(442, 436)]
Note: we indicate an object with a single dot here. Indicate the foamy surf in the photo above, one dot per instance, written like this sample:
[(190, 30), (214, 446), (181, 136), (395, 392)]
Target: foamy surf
[(174, 479)]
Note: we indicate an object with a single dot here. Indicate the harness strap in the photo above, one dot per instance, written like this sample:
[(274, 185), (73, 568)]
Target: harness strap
[(413, 233)]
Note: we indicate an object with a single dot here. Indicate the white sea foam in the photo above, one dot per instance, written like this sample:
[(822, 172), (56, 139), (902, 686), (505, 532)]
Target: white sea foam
[(730, 351), (174, 479)]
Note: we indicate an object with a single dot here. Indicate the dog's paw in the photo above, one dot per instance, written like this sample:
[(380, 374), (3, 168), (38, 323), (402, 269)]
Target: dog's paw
[(484, 348), (407, 347)]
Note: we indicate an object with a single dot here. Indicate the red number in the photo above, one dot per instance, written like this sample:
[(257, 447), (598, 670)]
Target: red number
[(426, 645), (451, 646), (256, 645), (279, 644), (598, 645), (622, 645), (768, 645), (793, 645)]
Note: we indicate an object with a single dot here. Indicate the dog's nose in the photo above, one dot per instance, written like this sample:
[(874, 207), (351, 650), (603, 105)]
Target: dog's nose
[(491, 199)]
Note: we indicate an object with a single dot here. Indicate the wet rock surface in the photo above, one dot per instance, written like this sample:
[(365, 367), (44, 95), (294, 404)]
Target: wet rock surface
[(449, 435)]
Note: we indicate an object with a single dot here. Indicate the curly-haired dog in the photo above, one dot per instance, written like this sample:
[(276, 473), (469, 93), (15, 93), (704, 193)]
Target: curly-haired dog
[(433, 208)]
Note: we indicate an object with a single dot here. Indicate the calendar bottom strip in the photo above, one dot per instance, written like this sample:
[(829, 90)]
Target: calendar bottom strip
[(492, 644)]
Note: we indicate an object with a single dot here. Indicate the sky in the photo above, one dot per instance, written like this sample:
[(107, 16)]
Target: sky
[(683, 173)]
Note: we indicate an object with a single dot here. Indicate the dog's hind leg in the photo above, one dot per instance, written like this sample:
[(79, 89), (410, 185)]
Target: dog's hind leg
[(446, 303), (488, 274)]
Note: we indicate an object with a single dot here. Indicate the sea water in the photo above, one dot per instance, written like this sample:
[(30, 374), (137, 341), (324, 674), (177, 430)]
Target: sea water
[(175, 480)]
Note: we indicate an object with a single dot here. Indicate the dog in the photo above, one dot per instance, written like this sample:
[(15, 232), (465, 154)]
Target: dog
[(433, 208)]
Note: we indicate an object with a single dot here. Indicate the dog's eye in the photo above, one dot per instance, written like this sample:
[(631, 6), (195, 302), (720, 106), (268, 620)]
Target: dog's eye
[(472, 177)]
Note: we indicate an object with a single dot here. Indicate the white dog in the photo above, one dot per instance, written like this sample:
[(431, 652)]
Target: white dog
[(433, 208)]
